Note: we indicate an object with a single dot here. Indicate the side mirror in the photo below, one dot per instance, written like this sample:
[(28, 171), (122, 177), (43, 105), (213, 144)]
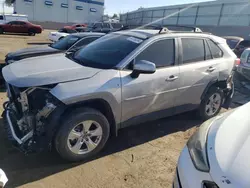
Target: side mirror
[(143, 67)]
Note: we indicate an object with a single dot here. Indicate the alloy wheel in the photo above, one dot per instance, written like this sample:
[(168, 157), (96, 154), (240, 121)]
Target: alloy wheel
[(85, 137), (213, 104)]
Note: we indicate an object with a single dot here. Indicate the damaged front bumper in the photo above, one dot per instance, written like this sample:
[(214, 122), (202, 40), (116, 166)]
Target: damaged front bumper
[(20, 141), (26, 118), (229, 93)]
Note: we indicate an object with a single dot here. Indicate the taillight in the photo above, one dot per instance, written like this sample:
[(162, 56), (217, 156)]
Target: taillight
[(237, 61)]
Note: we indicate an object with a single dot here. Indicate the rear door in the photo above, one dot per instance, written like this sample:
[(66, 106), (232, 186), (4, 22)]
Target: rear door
[(106, 28), (10, 27), (198, 67), (151, 96)]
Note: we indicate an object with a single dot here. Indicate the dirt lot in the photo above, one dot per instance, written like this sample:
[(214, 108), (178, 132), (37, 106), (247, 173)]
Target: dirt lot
[(142, 156)]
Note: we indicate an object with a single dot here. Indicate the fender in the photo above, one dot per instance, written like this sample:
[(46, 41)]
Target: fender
[(212, 82)]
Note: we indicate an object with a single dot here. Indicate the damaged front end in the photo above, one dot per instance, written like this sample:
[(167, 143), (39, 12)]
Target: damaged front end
[(26, 116)]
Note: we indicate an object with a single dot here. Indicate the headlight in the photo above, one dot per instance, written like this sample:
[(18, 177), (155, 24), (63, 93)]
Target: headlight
[(197, 146)]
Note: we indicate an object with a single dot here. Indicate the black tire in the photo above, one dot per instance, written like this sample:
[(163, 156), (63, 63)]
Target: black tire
[(1, 31), (69, 122), (202, 110), (31, 33)]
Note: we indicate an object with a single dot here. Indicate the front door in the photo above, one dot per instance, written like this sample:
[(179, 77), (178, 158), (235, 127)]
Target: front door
[(23, 27), (200, 65), (151, 96)]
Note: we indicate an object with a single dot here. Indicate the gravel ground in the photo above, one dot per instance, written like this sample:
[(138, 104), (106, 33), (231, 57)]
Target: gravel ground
[(141, 156)]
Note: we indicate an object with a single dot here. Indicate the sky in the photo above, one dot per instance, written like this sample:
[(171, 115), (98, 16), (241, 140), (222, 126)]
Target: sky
[(6, 9), (122, 6)]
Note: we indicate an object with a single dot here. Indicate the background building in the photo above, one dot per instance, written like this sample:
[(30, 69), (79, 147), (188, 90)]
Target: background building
[(222, 17), (61, 11)]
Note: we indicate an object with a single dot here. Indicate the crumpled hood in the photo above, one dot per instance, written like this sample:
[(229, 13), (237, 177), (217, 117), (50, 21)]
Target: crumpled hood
[(31, 52), (229, 149), (45, 70)]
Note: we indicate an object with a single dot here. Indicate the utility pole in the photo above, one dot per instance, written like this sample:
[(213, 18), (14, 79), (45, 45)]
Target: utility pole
[(3, 8)]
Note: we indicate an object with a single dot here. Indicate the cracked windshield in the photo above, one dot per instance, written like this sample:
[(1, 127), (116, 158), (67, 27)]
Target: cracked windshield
[(124, 94)]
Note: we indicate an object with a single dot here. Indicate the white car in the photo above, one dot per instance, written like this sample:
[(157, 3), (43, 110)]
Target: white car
[(3, 178), (217, 155), (60, 34)]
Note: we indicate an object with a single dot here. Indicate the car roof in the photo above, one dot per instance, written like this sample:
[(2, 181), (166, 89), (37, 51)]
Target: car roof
[(149, 33), (85, 34)]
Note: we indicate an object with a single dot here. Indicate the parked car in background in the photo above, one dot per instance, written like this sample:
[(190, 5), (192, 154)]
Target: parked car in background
[(77, 27), (60, 34), (104, 27), (121, 79), (243, 66), (237, 44), (20, 27), (217, 155), (4, 18), (69, 43)]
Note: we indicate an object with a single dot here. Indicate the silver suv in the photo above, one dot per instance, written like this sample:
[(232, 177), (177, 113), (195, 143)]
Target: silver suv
[(74, 102)]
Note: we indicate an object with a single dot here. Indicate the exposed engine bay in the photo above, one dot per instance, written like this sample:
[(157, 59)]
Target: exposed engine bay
[(27, 113)]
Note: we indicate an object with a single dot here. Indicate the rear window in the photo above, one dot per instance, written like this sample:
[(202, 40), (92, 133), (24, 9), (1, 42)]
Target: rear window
[(232, 43), (215, 50), (245, 43), (193, 50), (65, 43), (107, 51)]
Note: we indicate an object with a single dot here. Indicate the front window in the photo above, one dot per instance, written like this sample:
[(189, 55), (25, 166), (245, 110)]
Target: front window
[(65, 43), (107, 51)]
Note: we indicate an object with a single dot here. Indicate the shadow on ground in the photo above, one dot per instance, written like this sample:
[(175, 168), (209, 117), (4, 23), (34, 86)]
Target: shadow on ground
[(22, 169), (38, 43)]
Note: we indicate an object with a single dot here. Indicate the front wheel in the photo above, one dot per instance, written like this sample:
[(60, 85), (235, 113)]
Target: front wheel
[(211, 104), (82, 134), (31, 33), (1, 31)]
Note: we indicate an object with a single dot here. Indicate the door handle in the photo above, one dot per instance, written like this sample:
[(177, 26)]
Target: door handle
[(211, 69), (172, 78)]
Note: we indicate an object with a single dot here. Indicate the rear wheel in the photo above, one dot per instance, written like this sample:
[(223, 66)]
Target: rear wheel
[(82, 134), (1, 31), (211, 104)]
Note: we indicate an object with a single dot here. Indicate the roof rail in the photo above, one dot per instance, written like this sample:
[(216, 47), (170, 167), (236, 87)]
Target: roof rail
[(194, 29), (164, 30)]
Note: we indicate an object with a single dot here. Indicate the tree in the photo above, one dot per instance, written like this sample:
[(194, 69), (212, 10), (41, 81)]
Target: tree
[(115, 16), (9, 2)]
